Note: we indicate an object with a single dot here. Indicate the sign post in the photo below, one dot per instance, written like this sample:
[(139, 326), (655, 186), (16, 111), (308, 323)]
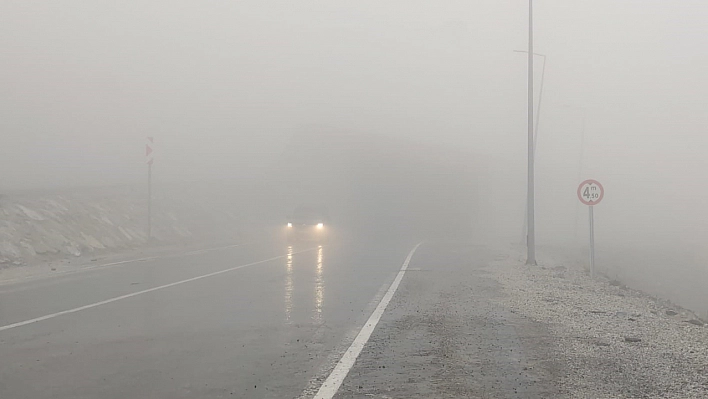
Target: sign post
[(590, 193), (149, 155)]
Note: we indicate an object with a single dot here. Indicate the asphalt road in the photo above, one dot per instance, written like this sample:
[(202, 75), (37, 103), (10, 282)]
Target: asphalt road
[(260, 320)]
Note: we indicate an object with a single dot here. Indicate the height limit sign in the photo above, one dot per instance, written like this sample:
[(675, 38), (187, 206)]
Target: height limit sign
[(590, 193)]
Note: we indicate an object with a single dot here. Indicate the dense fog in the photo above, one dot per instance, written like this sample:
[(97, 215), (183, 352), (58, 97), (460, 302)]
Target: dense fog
[(406, 115)]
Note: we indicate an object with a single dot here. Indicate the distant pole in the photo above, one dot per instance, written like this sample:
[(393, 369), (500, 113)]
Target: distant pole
[(580, 170), (535, 132), (531, 230), (538, 108), (149, 155), (149, 229), (540, 100)]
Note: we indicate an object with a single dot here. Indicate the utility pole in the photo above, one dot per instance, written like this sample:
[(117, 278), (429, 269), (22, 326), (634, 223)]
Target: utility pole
[(531, 230)]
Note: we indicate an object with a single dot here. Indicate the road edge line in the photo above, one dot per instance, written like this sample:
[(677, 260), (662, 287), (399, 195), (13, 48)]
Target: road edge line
[(334, 381)]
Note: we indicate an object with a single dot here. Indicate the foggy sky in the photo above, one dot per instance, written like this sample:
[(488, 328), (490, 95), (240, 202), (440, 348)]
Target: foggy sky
[(222, 85)]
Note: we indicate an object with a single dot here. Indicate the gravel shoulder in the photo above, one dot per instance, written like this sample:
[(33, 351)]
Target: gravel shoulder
[(613, 342), (446, 334), (471, 322)]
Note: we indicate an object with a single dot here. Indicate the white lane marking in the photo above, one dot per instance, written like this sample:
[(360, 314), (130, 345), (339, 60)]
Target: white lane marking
[(126, 296), (104, 265), (331, 360), (331, 385)]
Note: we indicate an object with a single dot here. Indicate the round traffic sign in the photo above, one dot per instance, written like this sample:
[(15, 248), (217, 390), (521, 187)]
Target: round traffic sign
[(590, 192)]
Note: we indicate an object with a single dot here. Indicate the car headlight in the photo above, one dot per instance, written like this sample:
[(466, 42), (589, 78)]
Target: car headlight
[(290, 224), (320, 225)]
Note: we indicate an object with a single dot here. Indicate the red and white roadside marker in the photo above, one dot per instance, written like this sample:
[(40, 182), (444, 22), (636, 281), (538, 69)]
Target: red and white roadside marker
[(149, 150)]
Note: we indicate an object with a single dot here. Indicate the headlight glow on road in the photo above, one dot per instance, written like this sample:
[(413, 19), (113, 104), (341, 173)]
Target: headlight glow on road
[(290, 224), (320, 225)]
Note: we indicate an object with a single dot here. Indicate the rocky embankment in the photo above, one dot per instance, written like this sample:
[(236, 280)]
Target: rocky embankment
[(36, 227)]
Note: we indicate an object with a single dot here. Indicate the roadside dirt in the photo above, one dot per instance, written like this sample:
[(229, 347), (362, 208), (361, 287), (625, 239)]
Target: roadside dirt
[(444, 336)]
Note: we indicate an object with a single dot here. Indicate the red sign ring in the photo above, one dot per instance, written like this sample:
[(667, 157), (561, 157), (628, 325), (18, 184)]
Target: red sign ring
[(590, 181)]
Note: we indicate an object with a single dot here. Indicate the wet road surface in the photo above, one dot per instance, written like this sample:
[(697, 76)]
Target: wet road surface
[(267, 320), (263, 330)]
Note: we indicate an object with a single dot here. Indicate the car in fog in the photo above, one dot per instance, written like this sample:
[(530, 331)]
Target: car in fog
[(307, 223)]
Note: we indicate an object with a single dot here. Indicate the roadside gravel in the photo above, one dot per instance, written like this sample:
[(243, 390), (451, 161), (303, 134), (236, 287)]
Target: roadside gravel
[(613, 342), (442, 336)]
